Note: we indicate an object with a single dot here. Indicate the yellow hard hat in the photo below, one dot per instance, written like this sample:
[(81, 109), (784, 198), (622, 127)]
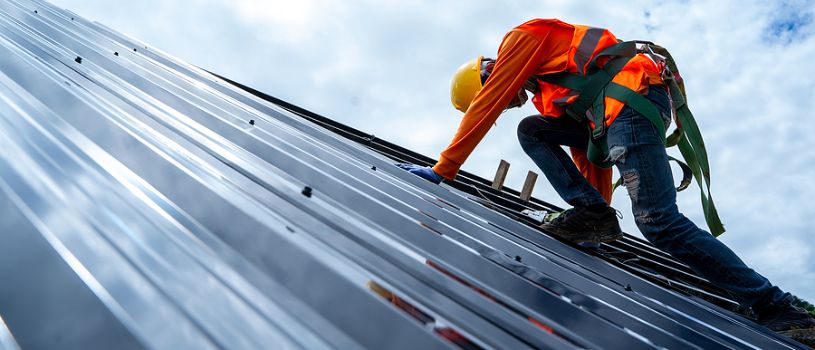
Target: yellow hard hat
[(466, 84)]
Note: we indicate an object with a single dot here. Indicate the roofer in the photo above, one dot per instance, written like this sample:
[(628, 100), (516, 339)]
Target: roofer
[(610, 102)]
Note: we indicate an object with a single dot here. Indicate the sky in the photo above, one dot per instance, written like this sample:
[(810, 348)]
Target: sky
[(384, 67)]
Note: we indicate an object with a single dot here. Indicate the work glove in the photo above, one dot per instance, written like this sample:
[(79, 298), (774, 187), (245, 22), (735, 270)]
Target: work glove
[(519, 99), (424, 172)]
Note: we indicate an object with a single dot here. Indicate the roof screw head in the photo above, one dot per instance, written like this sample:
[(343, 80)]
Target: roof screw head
[(35, 11), (78, 59), (373, 167), (307, 192), (251, 122), (627, 287), (134, 49), (116, 53), (72, 18), (518, 258)]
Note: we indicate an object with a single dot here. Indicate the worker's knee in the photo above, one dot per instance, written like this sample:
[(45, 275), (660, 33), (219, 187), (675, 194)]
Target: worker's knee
[(529, 126), (562, 131)]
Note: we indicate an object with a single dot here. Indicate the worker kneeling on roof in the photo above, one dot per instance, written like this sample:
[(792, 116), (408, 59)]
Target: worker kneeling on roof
[(610, 102)]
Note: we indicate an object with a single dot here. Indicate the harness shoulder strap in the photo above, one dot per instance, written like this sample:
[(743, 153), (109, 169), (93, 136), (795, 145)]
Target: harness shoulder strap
[(598, 78)]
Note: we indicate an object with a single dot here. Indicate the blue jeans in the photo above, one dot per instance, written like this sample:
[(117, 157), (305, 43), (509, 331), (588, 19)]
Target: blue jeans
[(638, 152)]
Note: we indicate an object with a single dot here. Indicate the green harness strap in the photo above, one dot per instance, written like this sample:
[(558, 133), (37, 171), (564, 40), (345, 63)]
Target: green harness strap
[(692, 147), (590, 105)]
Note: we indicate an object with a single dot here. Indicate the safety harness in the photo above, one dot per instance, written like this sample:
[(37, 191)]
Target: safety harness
[(589, 108)]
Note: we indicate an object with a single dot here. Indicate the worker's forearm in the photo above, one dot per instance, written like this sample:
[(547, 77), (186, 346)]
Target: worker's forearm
[(518, 58)]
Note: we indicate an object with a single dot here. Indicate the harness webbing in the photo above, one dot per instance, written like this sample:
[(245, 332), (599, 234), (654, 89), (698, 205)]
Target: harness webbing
[(692, 147), (589, 105)]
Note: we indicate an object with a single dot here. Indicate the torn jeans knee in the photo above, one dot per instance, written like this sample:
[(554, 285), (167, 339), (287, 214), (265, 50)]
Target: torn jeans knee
[(631, 180), (617, 154)]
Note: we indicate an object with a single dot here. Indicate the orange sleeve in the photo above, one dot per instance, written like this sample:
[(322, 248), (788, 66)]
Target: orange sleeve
[(599, 177), (519, 57)]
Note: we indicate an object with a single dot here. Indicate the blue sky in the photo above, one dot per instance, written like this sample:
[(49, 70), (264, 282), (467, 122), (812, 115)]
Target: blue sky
[(385, 67)]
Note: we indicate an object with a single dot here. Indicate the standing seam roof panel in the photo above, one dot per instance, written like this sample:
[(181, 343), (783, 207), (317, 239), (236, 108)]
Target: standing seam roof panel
[(147, 178)]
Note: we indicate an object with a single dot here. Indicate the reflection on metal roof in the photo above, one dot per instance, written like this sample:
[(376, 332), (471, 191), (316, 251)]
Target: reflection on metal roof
[(149, 204)]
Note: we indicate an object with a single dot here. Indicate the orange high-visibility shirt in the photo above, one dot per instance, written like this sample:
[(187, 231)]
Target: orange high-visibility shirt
[(537, 47)]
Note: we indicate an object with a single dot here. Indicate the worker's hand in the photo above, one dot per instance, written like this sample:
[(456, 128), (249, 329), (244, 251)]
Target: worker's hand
[(425, 172), (519, 99)]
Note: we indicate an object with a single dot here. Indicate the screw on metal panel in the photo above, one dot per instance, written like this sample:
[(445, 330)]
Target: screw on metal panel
[(116, 53), (251, 122), (78, 59), (35, 11), (307, 191), (72, 18), (373, 167), (134, 49), (518, 258), (628, 287)]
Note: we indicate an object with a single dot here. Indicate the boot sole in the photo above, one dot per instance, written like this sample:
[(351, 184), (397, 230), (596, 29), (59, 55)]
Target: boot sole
[(593, 237)]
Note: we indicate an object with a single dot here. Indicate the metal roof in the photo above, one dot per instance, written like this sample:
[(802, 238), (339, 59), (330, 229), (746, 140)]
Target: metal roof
[(147, 203)]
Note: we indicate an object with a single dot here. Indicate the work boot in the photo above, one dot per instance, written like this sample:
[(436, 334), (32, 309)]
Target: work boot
[(585, 224), (789, 320)]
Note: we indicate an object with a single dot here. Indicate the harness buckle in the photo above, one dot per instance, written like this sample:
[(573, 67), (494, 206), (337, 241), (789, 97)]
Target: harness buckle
[(666, 74), (662, 62)]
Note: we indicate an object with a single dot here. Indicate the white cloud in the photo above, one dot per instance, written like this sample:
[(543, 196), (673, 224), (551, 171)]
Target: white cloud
[(785, 257), (290, 21)]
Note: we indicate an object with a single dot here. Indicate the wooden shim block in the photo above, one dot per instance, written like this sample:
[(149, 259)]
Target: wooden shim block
[(500, 175), (529, 185)]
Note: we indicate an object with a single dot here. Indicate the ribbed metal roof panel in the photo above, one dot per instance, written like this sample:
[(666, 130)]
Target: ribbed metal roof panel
[(150, 204)]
